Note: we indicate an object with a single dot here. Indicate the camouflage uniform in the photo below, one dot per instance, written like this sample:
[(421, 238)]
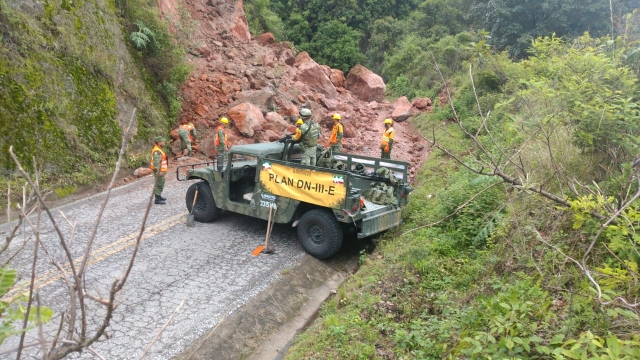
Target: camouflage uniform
[(159, 165), (336, 138), (387, 143), (185, 132), (157, 159), (222, 147), (308, 139)]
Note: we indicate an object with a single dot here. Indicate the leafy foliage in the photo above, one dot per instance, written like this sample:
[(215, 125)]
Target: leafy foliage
[(12, 313), (513, 24), (142, 37), (336, 44), (63, 68)]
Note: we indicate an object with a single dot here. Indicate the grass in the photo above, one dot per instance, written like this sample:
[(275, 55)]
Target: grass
[(478, 285)]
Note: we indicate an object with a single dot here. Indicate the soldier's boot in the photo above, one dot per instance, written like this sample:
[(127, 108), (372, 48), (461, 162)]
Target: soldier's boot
[(160, 200), (190, 153)]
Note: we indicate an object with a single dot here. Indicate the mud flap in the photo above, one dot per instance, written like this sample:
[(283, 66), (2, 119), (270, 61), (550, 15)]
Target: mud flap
[(381, 222)]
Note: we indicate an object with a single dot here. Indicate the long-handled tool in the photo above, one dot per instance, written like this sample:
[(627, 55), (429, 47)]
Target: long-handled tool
[(269, 248), (190, 217), (262, 248)]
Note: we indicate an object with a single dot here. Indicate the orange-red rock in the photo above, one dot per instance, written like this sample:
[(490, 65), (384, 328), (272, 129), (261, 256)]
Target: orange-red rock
[(201, 109), (312, 75), (275, 122), (265, 39), (422, 103), (174, 134), (366, 85), (246, 117), (337, 78), (402, 109), (143, 171), (240, 27)]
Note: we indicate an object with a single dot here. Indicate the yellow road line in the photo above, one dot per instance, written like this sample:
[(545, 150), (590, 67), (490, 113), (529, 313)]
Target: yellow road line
[(98, 255)]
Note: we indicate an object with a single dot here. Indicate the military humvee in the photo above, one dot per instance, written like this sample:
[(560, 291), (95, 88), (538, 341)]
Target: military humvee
[(321, 202)]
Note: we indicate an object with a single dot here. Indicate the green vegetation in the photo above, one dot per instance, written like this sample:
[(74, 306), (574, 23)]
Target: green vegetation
[(520, 240), (383, 25), (70, 74), (12, 315)]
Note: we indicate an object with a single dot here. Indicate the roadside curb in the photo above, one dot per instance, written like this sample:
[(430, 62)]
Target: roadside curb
[(279, 342), (265, 327)]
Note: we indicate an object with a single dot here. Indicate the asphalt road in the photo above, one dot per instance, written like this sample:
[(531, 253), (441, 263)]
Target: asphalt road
[(208, 266)]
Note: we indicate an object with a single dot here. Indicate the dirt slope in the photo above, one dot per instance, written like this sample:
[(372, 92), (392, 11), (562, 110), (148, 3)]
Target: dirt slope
[(232, 69)]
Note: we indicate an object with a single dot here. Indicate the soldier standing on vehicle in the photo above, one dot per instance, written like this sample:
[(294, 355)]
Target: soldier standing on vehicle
[(187, 134), (387, 139), (221, 141), (335, 141), (307, 136), (159, 165)]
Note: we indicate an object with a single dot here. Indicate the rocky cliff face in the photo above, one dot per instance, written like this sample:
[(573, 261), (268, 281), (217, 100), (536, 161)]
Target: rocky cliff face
[(260, 86)]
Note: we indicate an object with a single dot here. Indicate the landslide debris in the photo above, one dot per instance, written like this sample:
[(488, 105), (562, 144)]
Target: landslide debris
[(260, 85)]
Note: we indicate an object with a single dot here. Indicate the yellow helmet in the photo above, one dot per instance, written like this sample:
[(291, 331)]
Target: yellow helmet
[(224, 120), (388, 121), (337, 116), (299, 122)]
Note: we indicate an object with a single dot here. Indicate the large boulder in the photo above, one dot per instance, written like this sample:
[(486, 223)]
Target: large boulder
[(366, 85), (422, 103), (329, 104), (265, 39), (142, 171), (337, 78), (402, 109), (261, 98), (285, 54), (290, 110), (349, 130), (240, 27), (311, 74), (246, 117), (275, 122)]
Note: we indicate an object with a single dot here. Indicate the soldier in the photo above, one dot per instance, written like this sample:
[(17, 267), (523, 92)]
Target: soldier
[(307, 136), (159, 165), (221, 141), (335, 141), (387, 139), (187, 134)]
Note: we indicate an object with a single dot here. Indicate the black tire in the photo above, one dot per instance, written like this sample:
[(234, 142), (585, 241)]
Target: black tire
[(205, 210), (319, 233)]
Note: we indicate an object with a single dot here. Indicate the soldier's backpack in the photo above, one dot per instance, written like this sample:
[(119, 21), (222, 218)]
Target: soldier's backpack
[(385, 173), (380, 193), (327, 160)]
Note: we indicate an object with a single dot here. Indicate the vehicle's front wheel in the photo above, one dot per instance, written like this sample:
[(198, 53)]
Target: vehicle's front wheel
[(205, 209), (319, 233)]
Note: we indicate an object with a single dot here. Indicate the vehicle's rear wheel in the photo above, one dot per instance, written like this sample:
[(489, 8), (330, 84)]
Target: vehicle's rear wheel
[(205, 209), (319, 233)]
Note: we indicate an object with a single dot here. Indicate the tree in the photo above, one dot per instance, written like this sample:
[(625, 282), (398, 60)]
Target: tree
[(514, 24), (336, 44)]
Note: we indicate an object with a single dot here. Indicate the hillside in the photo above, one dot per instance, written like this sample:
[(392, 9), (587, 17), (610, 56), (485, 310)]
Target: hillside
[(261, 85), (70, 78)]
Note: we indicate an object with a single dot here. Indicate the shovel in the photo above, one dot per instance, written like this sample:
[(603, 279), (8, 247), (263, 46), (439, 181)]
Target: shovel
[(265, 248), (190, 217)]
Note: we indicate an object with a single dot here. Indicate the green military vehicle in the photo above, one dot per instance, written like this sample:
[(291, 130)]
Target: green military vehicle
[(343, 191)]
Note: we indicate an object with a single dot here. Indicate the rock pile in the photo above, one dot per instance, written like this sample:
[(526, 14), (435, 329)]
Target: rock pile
[(260, 86)]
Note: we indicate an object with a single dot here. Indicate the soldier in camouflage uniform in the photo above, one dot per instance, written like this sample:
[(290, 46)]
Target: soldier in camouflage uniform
[(335, 141), (307, 136), (222, 144), (388, 137), (187, 134), (159, 164)]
